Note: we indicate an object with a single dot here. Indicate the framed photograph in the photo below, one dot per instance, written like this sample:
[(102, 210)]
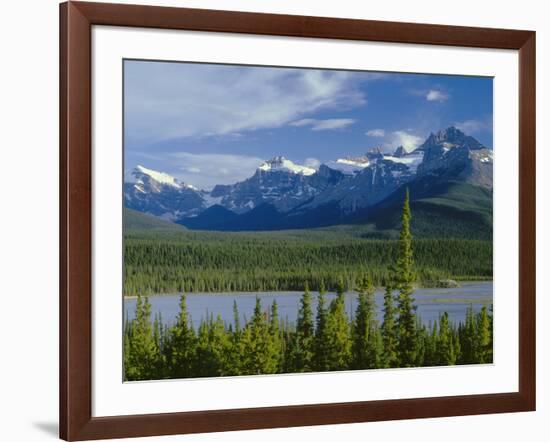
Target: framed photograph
[(272, 221)]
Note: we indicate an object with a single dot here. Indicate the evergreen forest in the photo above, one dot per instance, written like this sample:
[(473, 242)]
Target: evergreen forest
[(216, 262), (322, 340)]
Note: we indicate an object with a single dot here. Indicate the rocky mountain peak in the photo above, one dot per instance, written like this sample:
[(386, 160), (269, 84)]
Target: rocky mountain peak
[(149, 177), (450, 138), (375, 153), (400, 152), (345, 185), (452, 154), (144, 175), (160, 194)]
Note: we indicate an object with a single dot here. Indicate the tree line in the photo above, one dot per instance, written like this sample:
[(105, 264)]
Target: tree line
[(166, 264), (324, 340)]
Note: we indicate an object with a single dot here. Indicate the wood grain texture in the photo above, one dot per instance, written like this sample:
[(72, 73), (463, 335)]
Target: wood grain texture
[(299, 26), (63, 304), (304, 415), (527, 220), (76, 222), (76, 421)]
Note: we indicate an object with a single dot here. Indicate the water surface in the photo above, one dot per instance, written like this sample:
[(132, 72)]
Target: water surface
[(431, 303)]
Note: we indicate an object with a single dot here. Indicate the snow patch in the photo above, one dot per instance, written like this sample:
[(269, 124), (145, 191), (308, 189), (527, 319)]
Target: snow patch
[(358, 162), (411, 160), (349, 165), (159, 177), (210, 200), (139, 188), (278, 164), (188, 186)]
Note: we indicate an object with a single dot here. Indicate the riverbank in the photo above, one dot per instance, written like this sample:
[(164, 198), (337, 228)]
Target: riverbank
[(434, 285)]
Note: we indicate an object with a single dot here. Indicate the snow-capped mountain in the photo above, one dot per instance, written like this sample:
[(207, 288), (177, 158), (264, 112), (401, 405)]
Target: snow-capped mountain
[(277, 181), (160, 194), (283, 193), (451, 154), (155, 181), (377, 176)]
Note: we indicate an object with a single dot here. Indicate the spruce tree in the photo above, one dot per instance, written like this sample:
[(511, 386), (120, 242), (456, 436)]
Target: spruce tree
[(484, 337), (142, 351), (365, 350), (236, 318), (181, 345), (376, 344), (445, 353), (389, 335), (246, 346), (468, 338), (257, 344), (302, 343), (212, 350), (421, 338), (156, 331), (128, 326), (276, 345), (321, 333), (159, 336), (234, 358), (338, 332), (404, 278), (430, 346), (203, 365), (456, 343)]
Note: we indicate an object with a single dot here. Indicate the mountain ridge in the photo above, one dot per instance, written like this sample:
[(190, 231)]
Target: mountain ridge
[(282, 194)]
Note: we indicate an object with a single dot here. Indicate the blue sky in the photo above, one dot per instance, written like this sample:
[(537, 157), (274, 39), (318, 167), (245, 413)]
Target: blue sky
[(212, 124)]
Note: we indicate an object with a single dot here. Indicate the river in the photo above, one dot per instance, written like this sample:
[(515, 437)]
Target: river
[(430, 302)]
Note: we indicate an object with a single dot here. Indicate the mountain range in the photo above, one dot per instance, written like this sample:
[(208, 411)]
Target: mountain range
[(449, 177)]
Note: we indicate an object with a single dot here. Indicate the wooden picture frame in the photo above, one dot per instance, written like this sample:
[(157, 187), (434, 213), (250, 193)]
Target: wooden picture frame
[(76, 21)]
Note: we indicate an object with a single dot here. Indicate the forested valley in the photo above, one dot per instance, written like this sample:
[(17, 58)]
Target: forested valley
[(324, 340), (191, 262)]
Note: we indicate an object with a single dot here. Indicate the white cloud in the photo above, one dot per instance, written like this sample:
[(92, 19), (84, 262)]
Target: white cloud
[(376, 133), (303, 122), (403, 138), (474, 126), (327, 124), (177, 100), (437, 95), (312, 162)]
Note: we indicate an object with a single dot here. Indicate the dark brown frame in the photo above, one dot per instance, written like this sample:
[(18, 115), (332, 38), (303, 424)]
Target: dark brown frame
[(76, 421)]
